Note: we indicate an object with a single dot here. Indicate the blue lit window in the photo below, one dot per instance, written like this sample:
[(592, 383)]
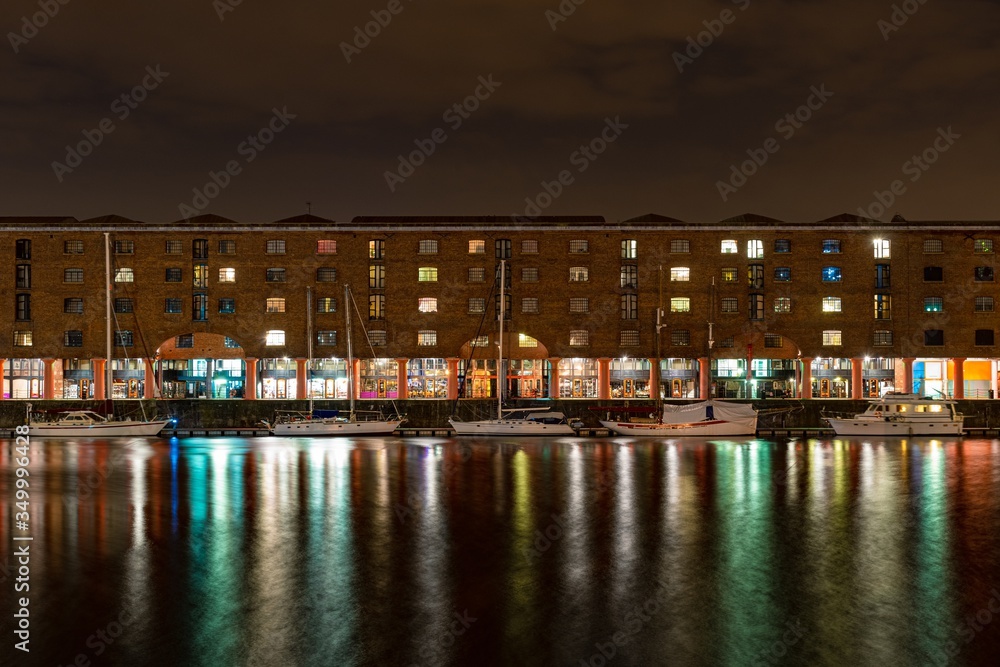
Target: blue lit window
[(782, 274), (831, 274), (831, 246)]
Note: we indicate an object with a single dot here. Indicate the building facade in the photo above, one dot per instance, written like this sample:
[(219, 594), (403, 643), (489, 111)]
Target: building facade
[(748, 307)]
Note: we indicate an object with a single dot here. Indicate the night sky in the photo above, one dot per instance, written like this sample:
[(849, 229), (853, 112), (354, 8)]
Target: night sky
[(551, 78)]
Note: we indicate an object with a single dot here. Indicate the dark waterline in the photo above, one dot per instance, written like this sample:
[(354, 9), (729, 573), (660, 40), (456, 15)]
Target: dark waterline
[(275, 551)]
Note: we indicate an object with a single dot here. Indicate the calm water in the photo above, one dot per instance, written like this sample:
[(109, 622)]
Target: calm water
[(472, 552)]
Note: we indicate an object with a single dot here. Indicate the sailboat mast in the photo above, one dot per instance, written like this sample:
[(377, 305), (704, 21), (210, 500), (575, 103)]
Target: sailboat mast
[(501, 310), (309, 345), (350, 352), (108, 376)]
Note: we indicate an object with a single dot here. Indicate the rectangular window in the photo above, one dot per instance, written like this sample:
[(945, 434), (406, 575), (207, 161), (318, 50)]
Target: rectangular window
[(199, 307), (831, 304), (883, 338), (326, 304), (883, 307), (376, 276), (782, 274), (984, 246), (376, 306), (984, 304), (184, 341), (630, 276), (629, 249), (22, 278), (199, 275), (882, 276), (933, 274), (378, 338), (477, 274), (529, 305), (227, 275), (427, 304), (831, 274), (227, 247), (529, 247), (529, 275), (72, 247), (274, 337), (22, 338), (983, 274), (730, 304), (275, 247), (934, 337), (783, 304), (427, 274), (933, 246), (755, 276), (480, 341), (502, 249), (729, 247), (881, 248), (275, 275), (729, 275), (477, 306), (73, 305), (23, 307), (628, 338), (325, 274), (124, 247), (275, 305), (172, 306), (782, 246), (326, 338), (933, 304), (579, 246), (427, 338), (73, 338), (679, 304), (579, 304), (199, 248), (174, 248), (831, 246), (579, 274), (230, 343), (227, 306), (174, 275), (755, 249), (326, 247), (756, 306), (727, 342), (772, 340), (22, 249), (477, 247), (123, 305), (123, 338), (679, 246), (680, 337), (579, 338), (984, 337), (427, 247), (680, 274), (124, 275), (832, 338)]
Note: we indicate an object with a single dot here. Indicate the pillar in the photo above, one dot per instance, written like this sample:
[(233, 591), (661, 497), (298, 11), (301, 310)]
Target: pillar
[(402, 390), (356, 379), (704, 378), (301, 384), (908, 375), (49, 380), (856, 365), (604, 378), (959, 385), (250, 379), (452, 377), (3, 361), (99, 366), (654, 378), (149, 380), (554, 377), (807, 376)]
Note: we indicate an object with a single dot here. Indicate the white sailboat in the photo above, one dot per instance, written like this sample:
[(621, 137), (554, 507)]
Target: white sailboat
[(87, 423), (898, 413), (512, 421), (329, 422)]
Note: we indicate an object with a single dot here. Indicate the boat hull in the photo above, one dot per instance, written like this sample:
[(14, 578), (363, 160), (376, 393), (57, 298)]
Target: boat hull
[(883, 427), (340, 428), (706, 428), (510, 427), (112, 430)]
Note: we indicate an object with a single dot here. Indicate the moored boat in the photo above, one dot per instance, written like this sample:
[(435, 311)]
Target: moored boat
[(517, 421), (707, 418), (897, 413), (89, 424)]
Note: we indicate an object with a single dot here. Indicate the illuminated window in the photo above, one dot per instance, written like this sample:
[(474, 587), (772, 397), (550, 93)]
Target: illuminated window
[(579, 338), (831, 246), (984, 246), (680, 274), (427, 304), (755, 249), (782, 274), (729, 275), (729, 247), (477, 247), (579, 274), (883, 307), (326, 338), (376, 249), (427, 274), (427, 338), (376, 276), (480, 341), (22, 339), (124, 275), (326, 247), (933, 304), (881, 248), (326, 304), (680, 304), (275, 275), (274, 337), (174, 248), (629, 249), (276, 305), (832, 338), (831, 274), (524, 340), (755, 304), (477, 305), (630, 276), (783, 304), (831, 304), (376, 306), (227, 275)]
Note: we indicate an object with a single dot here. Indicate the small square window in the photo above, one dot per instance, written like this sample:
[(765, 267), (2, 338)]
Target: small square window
[(729, 304), (124, 305), (73, 305), (73, 338), (427, 338), (831, 304), (628, 338), (427, 304), (275, 276), (529, 275), (184, 341), (831, 246), (881, 248), (227, 275), (477, 274), (680, 337), (680, 304), (529, 247), (274, 337), (326, 247), (325, 274), (174, 248), (984, 246), (983, 274), (427, 274), (579, 338), (477, 247), (934, 337), (933, 246), (174, 275), (73, 247), (529, 305), (123, 338), (326, 338), (477, 305), (124, 247), (124, 275), (275, 247), (579, 274), (832, 338), (172, 305), (227, 305), (831, 274), (579, 305), (729, 275), (729, 247), (783, 304), (933, 274), (326, 304), (984, 337), (772, 340), (782, 246), (933, 304), (883, 338), (73, 276), (378, 337), (579, 246), (227, 247), (782, 274), (23, 338), (680, 246), (275, 305), (984, 304), (680, 274), (427, 247)]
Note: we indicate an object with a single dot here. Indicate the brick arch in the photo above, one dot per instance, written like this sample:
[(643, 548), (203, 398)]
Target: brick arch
[(206, 345), (510, 344), (789, 349)]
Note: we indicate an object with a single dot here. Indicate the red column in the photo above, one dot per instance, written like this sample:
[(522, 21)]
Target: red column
[(99, 389), (149, 381), (452, 377), (654, 379), (554, 377), (402, 390), (250, 379), (356, 373), (604, 378), (2, 362), (856, 383), (908, 374), (301, 388), (959, 382), (704, 378), (49, 379), (807, 374)]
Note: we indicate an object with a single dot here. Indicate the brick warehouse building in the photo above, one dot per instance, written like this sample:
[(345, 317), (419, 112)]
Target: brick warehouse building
[(844, 307)]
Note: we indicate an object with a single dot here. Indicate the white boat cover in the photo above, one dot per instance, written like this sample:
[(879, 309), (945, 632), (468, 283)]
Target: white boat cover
[(696, 412)]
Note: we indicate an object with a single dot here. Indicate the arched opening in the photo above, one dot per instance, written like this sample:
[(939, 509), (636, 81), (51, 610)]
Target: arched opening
[(200, 365), (526, 367)]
